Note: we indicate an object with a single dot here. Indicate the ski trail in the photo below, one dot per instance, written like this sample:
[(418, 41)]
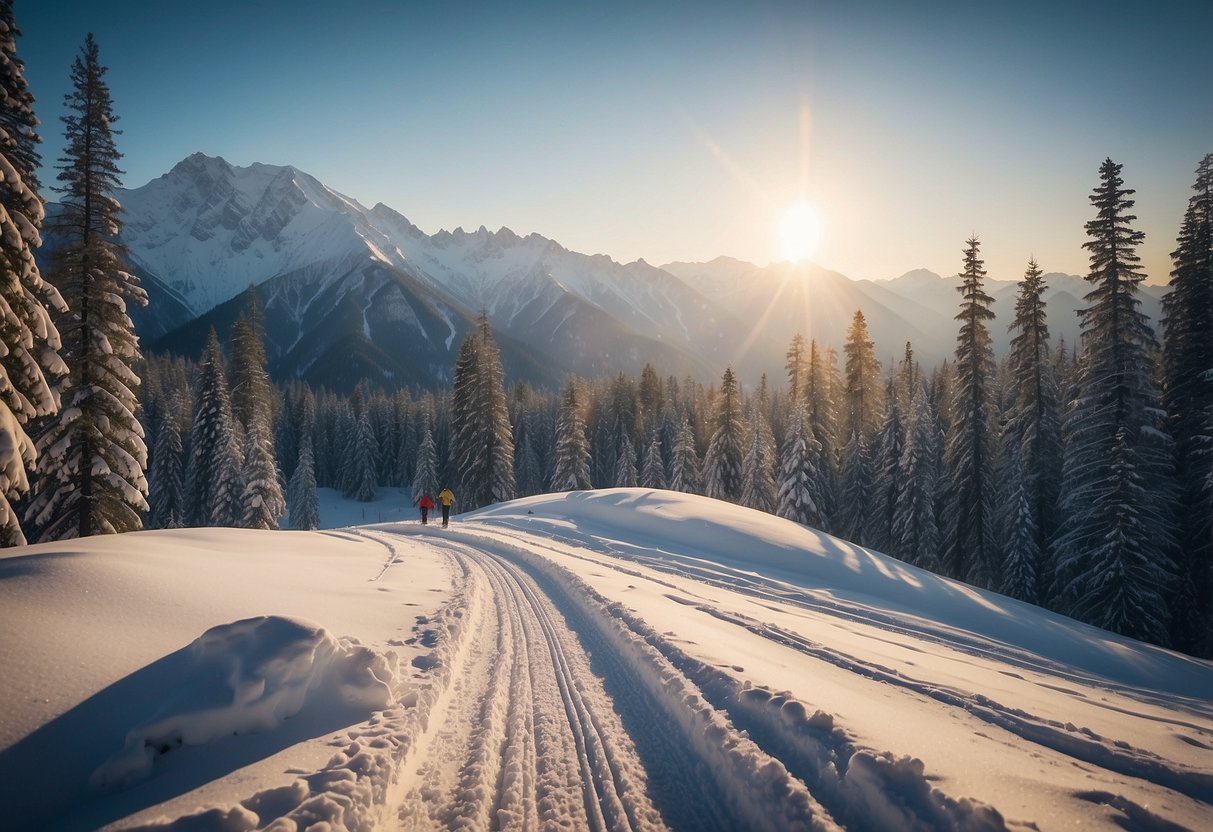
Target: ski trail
[(562, 718)]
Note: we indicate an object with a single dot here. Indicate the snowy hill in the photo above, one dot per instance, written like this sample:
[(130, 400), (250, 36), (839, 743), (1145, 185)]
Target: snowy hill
[(613, 659)]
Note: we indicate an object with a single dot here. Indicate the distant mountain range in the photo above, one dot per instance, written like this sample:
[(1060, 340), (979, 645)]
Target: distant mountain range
[(352, 292)]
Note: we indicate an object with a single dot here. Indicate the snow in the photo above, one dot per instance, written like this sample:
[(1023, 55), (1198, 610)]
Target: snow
[(627, 658)]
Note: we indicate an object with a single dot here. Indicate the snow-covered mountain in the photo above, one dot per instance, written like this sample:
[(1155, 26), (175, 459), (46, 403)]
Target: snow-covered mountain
[(618, 659), (353, 292)]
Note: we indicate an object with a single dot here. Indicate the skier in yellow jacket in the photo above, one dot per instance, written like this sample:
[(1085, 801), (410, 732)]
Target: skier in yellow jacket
[(446, 497)]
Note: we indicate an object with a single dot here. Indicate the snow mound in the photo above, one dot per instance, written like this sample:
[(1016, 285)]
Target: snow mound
[(758, 553), (246, 677)]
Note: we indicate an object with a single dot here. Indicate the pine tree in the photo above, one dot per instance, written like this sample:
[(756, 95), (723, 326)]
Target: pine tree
[(722, 462), (301, 492), (1188, 400), (572, 471), (363, 455), (625, 466), (819, 392), (1114, 550), (212, 437), (1034, 423), (168, 504), (262, 498), (528, 475), (684, 462), (855, 499), (890, 443), (30, 362), (916, 537), (482, 441), (970, 551), (1020, 548), (796, 367), (652, 475), (798, 498), (758, 487), (425, 477), (253, 410), (863, 406), (92, 458)]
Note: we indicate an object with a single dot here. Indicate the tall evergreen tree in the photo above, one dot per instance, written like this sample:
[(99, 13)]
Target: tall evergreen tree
[(916, 537), (855, 499), (363, 453), (652, 474), (425, 477), (798, 497), (572, 471), (168, 504), (863, 405), (887, 474), (253, 409), (684, 461), (1021, 553), (819, 392), (30, 362), (302, 500), (970, 550), (92, 458), (1188, 400), (625, 465), (796, 367), (722, 462), (1034, 422), (213, 462), (758, 486), (1114, 550), (482, 441), (262, 497)]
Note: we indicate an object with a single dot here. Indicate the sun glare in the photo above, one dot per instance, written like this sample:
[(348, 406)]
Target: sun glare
[(799, 232)]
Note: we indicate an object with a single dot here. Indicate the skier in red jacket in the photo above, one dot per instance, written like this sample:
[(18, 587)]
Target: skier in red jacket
[(425, 504)]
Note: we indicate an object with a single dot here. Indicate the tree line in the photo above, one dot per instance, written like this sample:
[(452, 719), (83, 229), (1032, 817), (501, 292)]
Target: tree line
[(1076, 477)]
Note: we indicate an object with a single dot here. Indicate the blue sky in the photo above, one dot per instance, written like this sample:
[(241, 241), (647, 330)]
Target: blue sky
[(675, 131)]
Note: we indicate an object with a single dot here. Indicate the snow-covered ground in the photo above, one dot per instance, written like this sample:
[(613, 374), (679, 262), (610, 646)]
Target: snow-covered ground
[(604, 660)]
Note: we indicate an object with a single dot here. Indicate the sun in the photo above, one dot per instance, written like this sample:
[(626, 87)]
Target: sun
[(799, 232)]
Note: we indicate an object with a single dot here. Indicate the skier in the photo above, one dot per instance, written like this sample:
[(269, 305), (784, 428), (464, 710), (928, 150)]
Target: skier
[(446, 497), (425, 504)]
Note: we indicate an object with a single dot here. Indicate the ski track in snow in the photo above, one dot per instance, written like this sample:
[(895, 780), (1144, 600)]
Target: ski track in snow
[(543, 705)]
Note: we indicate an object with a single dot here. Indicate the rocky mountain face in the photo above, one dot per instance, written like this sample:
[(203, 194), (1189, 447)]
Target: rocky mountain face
[(352, 292)]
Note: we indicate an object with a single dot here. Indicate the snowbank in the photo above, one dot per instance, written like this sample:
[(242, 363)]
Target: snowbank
[(249, 676)]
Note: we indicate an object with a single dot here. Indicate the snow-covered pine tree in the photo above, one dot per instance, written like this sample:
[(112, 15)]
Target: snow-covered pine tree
[(819, 392), (887, 473), (970, 552), (253, 409), (1034, 420), (722, 462), (166, 485), (572, 455), (302, 500), (211, 437), (1114, 552), (855, 497), (916, 537), (863, 406), (364, 454), (652, 474), (758, 486), (684, 462), (30, 342), (1021, 554), (796, 367), (625, 464), (798, 498), (92, 457), (425, 476), (228, 506), (262, 499), (1188, 400), (482, 440)]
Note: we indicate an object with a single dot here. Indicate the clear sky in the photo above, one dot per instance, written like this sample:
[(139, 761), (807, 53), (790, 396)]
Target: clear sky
[(676, 131)]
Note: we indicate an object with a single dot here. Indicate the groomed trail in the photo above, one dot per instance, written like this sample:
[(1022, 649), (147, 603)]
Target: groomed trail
[(550, 707)]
